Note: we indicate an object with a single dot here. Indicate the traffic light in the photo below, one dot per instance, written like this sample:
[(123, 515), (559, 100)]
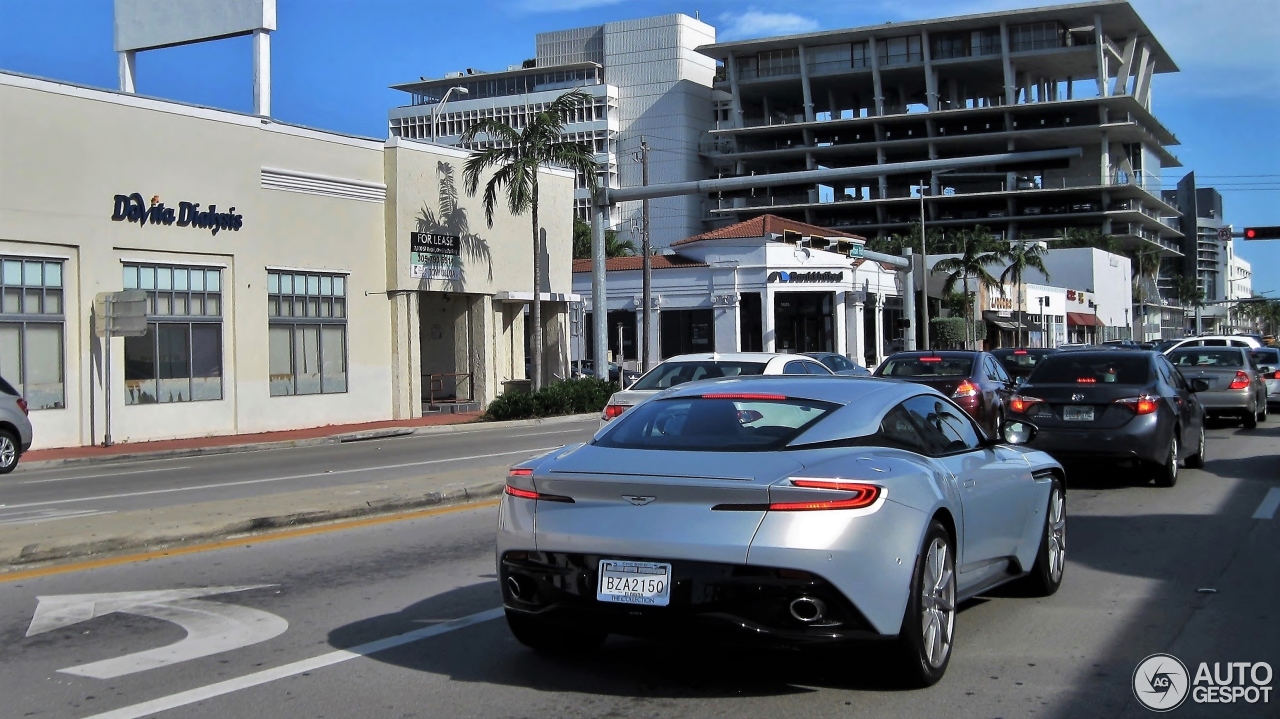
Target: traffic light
[(1262, 233)]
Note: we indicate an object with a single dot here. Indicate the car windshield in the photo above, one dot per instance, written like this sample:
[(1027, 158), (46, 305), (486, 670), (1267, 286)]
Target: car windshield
[(1079, 368), (7, 388), (1207, 358), (927, 367), (715, 423), (670, 374)]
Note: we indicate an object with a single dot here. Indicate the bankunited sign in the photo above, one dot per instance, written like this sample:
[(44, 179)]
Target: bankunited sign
[(806, 277)]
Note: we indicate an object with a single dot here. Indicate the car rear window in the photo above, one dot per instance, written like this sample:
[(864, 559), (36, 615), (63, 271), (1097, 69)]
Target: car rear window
[(7, 388), (928, 367), (1266, 356), (1013, 361), (1078, 368), (1206, 357), (715, 423), (670, 374)]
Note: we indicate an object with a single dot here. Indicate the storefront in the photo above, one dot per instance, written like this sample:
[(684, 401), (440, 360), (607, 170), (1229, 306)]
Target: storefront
[(293, 278), (767, 284)]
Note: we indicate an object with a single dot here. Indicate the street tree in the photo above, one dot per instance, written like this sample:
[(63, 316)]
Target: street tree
[(614, 246), (975, 256), (1020, 257)]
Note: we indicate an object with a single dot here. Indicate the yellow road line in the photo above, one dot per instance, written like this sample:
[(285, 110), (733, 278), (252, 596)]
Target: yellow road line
[(269, 536)]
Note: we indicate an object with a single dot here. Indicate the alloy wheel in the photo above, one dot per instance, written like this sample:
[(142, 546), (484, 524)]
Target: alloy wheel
[(1057, 534), (938, 603), (8, 452), (1173, 459)]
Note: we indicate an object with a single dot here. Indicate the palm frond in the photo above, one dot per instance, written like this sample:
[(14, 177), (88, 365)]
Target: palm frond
[(498, 132)]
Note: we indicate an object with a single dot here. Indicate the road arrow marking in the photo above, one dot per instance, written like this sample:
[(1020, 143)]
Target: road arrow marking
[(212, 627)]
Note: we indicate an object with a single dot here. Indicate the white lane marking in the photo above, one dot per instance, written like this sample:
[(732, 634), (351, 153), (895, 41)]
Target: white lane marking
[(104, 474), (1270, 503), (35, 516), (212, 627), (327, 473), (267, 676)]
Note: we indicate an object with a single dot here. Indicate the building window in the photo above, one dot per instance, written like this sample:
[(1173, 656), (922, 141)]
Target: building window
[(179, 359), (307, 342), (860, 55), (778, 62), (951, 46), (1035, 36), (31, 330), (900, 50)]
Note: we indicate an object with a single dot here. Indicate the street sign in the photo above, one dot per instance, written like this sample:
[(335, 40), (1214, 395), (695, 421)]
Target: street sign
[(856, 251), (126, 310), (1224, 234), (212, 627)]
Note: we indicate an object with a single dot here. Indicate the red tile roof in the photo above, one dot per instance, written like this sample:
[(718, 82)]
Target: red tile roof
[(764, 226), (622, 264)]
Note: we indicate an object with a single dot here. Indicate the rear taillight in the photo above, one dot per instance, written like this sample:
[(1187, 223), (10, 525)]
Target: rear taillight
[(22, 405), (746, 396), (862, 496), (1271, 375), (966, 389), (1144, 404), (613, 410), (1020, 404), (1241, 381), (523, 493)]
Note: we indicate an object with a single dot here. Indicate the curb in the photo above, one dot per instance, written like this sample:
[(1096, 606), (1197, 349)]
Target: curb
[(363, 436), (34, 554)]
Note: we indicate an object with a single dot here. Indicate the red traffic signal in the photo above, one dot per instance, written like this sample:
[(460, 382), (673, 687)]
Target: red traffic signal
[(1262, 233)]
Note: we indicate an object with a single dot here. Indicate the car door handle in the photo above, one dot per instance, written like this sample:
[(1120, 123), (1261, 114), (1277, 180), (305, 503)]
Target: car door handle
[(969, 483)]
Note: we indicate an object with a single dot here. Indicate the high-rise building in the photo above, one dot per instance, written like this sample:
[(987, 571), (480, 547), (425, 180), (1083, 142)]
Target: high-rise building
[(1071, 78), (1207, 257), (646, 80)]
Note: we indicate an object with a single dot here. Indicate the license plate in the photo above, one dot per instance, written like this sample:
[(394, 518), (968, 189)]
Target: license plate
[(1077, 414), (647, 583)]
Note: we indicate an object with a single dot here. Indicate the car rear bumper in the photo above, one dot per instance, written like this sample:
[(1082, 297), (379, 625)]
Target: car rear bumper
[(1143, 438), (733, 603), (1227, 401)]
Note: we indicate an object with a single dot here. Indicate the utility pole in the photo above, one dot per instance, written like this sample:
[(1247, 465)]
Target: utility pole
[(645, 263), (924, 273)]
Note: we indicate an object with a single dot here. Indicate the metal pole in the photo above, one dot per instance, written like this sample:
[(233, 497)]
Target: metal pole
[(599, 299), (108, 303), (646, 264), (909, 302), (924, 273)]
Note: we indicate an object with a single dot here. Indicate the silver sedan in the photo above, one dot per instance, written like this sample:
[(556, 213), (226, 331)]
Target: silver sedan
[(787, 510)]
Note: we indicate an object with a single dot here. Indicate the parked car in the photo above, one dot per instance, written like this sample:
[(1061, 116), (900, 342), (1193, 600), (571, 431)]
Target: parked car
[(15, 427), (691, 368), (975, 380), (1020, 362), (1214, 341), (1236, 388), (1114, 405), (1268, 361), (839, 364), (617, 373), (795, 511)]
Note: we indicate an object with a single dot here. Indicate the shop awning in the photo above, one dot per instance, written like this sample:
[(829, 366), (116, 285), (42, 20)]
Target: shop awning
[(1080, 319), (1004, 323)]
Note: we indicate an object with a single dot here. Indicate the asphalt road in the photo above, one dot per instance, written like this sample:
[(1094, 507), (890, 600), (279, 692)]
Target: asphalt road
[(371, 628), (153, 483)]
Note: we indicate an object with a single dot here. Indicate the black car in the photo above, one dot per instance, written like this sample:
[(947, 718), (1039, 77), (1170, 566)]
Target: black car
[(1019, 363), (1115, 405), (973, 380), (839, 364)]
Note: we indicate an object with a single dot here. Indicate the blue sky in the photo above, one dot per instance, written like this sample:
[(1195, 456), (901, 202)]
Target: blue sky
[(333, 60)]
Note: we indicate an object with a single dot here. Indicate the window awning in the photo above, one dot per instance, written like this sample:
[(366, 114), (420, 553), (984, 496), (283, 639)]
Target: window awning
[(1081, 319), (1004, 323)]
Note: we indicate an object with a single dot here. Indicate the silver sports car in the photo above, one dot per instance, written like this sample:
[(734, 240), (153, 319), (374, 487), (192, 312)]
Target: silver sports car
[(791, 510)]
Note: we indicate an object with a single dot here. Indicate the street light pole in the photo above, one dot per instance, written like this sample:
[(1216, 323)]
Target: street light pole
[(435, 114), (924, 274), (646, 263)]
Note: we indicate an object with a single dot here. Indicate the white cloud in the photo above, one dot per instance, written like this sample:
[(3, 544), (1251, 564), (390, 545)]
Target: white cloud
[(561, 5), (1224, 48), (757, 23)]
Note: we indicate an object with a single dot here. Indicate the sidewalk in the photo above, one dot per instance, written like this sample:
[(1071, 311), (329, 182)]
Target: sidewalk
[(45, 458)]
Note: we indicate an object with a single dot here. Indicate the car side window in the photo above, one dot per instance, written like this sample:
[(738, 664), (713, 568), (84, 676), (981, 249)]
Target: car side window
[(1213, 343), (1173, 374), (818, 368), (945, 428), (1001, 374), (795, 367), (899, 431)]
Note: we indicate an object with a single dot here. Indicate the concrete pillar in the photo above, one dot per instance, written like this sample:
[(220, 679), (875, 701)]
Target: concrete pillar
[(1100, 49), (1104, 161), (764, 105), (930, 78), (839, 323), (832, 107), (736, 99), (875, 76), (1010, 91), (128, 71), (770, 334), (262, 73), (804, 86), (857, 344), (484, 376), (878, 337)]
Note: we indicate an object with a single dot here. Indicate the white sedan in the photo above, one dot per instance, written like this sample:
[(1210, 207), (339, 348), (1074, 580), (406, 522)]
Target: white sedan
[(690, 368)]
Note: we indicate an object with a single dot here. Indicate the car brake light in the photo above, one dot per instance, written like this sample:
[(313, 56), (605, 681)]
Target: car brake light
[(1086, 380), (1019, 352), (520, 472), (1021, 404), (613, 410), (966, 389), (1145, 404), (1241, 381), (864, 495), (744, 395), (22, 405), (930, 359), (523, 493)]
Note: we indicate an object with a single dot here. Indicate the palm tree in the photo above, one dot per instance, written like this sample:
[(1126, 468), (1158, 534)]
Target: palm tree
[(517, 156), (1020, 256), (614, 246), (971, 264), (1189, 294)]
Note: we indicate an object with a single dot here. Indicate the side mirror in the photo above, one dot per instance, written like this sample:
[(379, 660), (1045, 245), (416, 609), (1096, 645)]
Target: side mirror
[(1019, 381), (1199, 385), (1017, 431)]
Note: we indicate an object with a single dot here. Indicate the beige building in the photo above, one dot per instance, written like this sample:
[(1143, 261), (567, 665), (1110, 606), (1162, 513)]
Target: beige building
[(294, 277)]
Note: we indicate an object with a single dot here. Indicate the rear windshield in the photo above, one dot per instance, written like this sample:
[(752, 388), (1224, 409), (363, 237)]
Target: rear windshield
[(1025, 361), (1207, 358), (670, 374), (7, 388), (715, 424), (1266, 356), (1077, 368), (928, 367)]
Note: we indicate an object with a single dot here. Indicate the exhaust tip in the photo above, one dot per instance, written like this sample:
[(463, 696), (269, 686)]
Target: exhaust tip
[(808, 609), (515, 587)]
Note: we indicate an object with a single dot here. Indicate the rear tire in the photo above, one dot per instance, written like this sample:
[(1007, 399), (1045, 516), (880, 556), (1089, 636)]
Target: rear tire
[(927, 634), (553, 639), (1262, 411), (1166, 474), (1196, 461), (1051, 559), (9, 451), (1251, 418)]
